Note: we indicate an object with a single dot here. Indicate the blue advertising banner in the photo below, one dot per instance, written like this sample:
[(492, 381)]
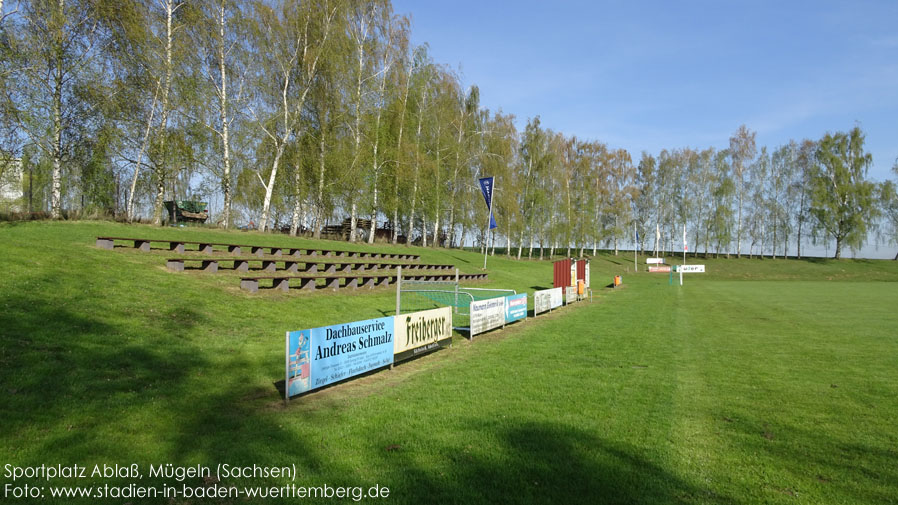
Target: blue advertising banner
[(515, 307), (321, 356), (486, 187)]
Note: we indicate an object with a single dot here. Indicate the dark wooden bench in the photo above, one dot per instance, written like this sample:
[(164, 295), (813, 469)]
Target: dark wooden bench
[(212, 265), (143, 244), (283, 283), (369, 280), (291, 265)]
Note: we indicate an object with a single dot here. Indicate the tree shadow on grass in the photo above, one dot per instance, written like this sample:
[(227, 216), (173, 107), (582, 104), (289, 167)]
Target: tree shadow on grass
[(543, 462), (67, 374)]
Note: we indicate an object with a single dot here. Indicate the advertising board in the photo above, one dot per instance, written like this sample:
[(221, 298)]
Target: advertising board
[(487, 314), (691, 269), (547, 299), (421, 332), (664, 269), (570, 295), (515, 307), (321, 356)]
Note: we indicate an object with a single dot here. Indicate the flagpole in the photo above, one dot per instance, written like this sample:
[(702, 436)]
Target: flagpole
[(684, 243), (635, 245)]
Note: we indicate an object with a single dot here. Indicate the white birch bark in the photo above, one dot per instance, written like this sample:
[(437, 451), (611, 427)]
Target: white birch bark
[(129, 213), (56, 178), (291, 115), (411, 216), (385, 70), (408, 80), (297, 201), (225, 120), (163, 124), (319, 211)]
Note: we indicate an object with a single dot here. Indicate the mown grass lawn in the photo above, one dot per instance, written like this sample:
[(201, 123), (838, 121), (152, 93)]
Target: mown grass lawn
[(760, 382)]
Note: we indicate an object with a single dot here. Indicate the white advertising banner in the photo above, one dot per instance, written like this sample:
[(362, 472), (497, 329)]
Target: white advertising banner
[(691, 269), (487, 314), (547, 299), (570, 295), (654, 261)]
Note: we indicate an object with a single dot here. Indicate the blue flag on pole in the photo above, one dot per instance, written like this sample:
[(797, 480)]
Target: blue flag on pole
[(486, 186)]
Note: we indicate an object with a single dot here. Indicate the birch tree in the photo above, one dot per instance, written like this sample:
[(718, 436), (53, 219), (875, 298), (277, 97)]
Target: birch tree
[(842, 201), (742, 152), (60, 41), (393, 33), (219, 34), (288, 43), (889, 203)]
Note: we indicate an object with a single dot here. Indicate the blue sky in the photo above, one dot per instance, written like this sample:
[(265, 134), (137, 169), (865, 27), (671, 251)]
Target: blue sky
[(673, 74)]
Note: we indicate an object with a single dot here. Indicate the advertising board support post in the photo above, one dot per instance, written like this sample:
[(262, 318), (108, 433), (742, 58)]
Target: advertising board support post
[(398, 295), (455, 307), (398, 288), (287, 370)]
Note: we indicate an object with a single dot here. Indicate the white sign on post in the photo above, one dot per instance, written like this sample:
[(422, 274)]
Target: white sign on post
[(654, 261), (691, 269), (487, 314)]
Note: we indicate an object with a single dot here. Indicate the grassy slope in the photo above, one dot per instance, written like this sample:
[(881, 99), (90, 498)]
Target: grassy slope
[(722, 391)]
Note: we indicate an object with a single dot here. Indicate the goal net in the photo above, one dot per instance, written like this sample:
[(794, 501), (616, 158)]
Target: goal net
[(415, 295)]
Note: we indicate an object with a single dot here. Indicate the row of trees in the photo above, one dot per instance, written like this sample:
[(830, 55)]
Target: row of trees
[(300, 113)]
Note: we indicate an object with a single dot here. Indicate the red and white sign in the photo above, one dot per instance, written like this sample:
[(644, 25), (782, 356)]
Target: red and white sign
[(661, 269)]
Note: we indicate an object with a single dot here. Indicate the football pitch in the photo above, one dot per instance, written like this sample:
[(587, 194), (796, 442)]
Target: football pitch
[(762, 381)]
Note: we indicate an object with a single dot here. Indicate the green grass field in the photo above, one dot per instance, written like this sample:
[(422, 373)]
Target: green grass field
[(762, 381)]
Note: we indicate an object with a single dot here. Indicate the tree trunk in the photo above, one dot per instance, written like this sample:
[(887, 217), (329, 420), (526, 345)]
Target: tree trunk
[(319, 211), (373, 226), (56, 148), (163, 125), (399, 157), (297, 198), (454, 197), (411, 216), (739, 227), (353, 220), (423, 229), (129, 213), (160, 195), (436, 221), (225, 136), (360, 46), (56, 185), (269, 188), (436, 231)]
